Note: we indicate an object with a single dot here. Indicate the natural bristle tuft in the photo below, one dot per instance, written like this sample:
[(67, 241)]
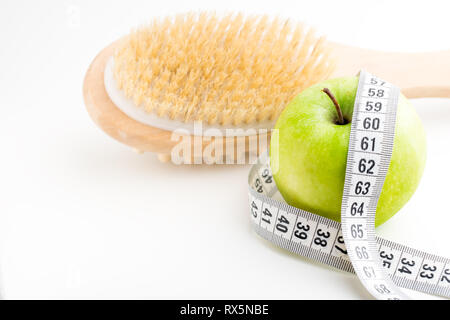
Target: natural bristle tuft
[(231, 69)]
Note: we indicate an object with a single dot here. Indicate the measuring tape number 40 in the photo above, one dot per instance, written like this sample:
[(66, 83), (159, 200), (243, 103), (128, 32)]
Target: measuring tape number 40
[(381, 265)]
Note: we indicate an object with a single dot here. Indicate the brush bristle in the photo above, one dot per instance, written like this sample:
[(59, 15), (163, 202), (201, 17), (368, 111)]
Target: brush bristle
[(224, 70)]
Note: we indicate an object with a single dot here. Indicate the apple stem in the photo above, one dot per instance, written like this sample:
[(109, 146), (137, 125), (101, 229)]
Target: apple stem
[(341, 120)]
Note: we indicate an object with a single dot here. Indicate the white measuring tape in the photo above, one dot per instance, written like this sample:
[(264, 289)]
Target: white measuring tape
[(351, 245)]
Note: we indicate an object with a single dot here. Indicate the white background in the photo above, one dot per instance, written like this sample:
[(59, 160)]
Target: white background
[(82, 216)]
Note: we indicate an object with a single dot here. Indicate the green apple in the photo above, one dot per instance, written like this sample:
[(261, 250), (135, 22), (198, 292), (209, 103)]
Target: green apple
[(309, 151)]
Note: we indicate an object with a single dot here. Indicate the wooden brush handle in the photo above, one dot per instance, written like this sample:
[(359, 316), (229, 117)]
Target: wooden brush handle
[(418, 75)]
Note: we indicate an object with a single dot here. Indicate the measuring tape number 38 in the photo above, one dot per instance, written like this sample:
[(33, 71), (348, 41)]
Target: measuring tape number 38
[(381, 265)]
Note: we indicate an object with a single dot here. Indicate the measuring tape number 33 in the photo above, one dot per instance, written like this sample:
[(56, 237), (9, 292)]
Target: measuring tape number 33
[(381, 265)]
